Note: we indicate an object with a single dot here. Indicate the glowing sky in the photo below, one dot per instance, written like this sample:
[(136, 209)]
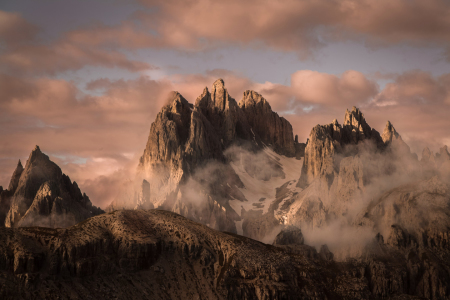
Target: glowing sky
[(85, 79)]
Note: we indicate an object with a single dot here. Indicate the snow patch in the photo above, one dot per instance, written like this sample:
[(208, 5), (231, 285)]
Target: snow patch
[(256, 189)]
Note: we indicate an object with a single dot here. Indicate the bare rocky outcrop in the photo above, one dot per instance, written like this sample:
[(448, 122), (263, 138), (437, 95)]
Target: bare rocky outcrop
[(42, 195), (327, 143), (324, 141), (225, 115), (14, 182), (428, 158), (443, 154), (271, 128), (188, 141), (394, 142), (143, 198), (356, 129), (160, 255), (6, 195), (289, 236)]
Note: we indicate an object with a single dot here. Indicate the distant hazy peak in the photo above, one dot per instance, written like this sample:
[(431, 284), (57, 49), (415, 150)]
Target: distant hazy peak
[(389, 133)]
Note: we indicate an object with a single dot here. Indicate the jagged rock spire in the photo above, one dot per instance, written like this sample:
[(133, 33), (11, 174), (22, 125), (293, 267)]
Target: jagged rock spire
[(443, 153), (389, 133), (14, 182), (356, 126), (271, 128), (34, 203)]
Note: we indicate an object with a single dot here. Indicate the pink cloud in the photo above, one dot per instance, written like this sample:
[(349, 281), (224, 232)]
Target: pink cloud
[(25, 53), (14, 29), (295, 26), (299, 26), (320, 88)]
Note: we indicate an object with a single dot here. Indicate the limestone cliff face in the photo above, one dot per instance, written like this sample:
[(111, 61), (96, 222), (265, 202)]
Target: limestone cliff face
[(345, 165), (185, 139), (5, 195), (354, 136), (324, 141), (356, 129), (15, 177), (428, 159), (271, 128), (443, 154), (224, 114), (434, 163), (394, 141), (44, 196)]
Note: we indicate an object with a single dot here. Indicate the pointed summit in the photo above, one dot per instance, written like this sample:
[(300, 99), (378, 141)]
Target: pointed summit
[(354, 117), (14, 182), (389, 133), (220, 97), (267, 124), (427, 155), (428, 159), (26, 207), (443, 153), (393, 140), (36, 155), (356, 128), (219, 83)]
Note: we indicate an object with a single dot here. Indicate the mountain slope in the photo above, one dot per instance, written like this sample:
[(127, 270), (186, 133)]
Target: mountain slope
[(161, 255), (41, 195)]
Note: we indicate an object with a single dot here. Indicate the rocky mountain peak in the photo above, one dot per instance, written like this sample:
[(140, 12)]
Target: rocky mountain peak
[(443, 153), (427, 154), (15, 177), (266, 124), (183, 138), (327, 140), (389, 133), (355, 126), (392, 139), (354, 116), (252, 98), (220, 97), (176, 103), (36, 155), (30, 197), (219, 84)]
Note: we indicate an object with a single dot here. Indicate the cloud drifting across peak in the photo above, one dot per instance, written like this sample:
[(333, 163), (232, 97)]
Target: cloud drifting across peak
[(88, 95), (108, 132)]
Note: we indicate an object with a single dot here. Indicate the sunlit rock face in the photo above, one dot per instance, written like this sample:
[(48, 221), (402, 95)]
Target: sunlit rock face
[(41, 195), (273, 130), (187, 160), (349, 192), (354, 208)]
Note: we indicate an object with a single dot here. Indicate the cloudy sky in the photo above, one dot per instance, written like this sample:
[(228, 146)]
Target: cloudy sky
[(84, 79)]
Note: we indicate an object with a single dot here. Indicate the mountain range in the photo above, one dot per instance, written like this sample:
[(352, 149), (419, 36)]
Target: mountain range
[(227, 204)]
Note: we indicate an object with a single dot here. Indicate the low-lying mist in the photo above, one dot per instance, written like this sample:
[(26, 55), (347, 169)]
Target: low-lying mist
[(334, 212)]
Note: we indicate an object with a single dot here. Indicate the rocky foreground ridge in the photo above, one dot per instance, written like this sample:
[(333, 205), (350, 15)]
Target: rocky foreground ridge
[(41, 195), (161, 255)]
